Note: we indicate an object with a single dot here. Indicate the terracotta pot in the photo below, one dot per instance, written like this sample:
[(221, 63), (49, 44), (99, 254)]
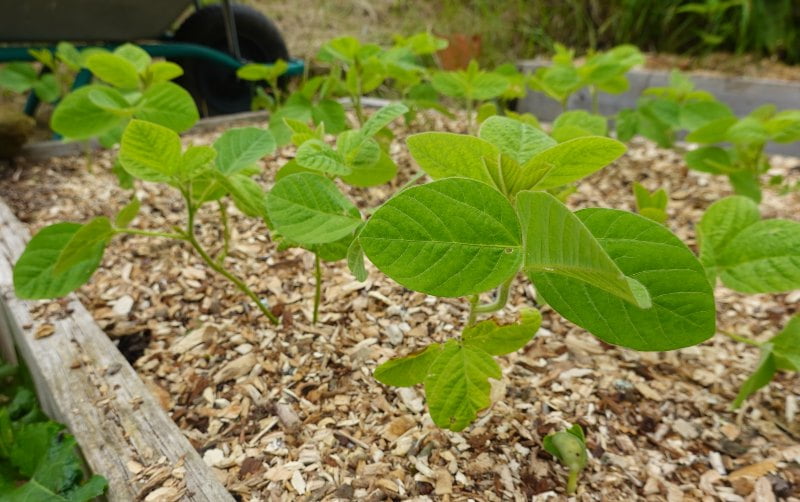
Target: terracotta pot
[(460, 50)]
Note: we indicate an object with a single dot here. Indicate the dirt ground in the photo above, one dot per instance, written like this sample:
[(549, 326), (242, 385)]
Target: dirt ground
[(293, 413)]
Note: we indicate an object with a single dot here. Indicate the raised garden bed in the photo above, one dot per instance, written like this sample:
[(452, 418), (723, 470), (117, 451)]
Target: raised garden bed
[(280, 413)]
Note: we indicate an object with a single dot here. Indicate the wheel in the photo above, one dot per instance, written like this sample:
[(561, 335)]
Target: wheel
[(215, 87)]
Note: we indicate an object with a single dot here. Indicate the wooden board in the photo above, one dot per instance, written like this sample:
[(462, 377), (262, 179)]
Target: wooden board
[(84, 382)]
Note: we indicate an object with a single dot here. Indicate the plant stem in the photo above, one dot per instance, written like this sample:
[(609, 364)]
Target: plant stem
[(317, 287), (500, 301), (742, 339), (470, 107), (473, 302), (148, 233), (595, 100), (572, 481), (226, 232), (217, 267)]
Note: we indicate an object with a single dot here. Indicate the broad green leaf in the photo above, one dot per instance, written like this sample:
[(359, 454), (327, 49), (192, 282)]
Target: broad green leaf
[(450, 84), (242, 147), (358, 151), (342, 49), (17, 77), (763, 258), (149, 151), (746, 182), (567, 162), (83, 245), (557, 242), (30, 444), (77, 117), (69, 55), (195, 161), (709, 159), (786, 346), (499, 340), (760, 378), (47, 88), (297, 111), (127, 213), (784, 127), (409, 370), (721, 222), (457, 385), (487, 86), (247, 194), (169, 105), (291, 167), (747, 131), (627, 124), (712, 132), (683, 311), (382, 118), (319, 156), (331, 114), (444, 155), (33, 273), (114, 70), (518, 140), (355, 260), (451, 237), (137, 56), (378, 173), (163, 71), (486, 110), (308, 209), (578, 123), (110, 100), (696, 114)]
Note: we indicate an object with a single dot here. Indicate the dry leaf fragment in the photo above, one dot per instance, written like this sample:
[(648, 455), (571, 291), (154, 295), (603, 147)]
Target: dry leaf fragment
[(754, 470), (44, 330)]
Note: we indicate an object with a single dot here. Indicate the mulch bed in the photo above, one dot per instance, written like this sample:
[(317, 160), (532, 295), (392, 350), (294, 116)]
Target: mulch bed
[(293, 412)]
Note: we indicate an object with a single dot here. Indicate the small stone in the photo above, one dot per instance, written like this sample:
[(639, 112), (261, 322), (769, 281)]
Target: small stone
[(213, 457), (122, 306), (394, 334)]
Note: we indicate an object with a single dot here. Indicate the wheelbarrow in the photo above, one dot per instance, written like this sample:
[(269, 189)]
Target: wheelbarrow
[(210, 42)]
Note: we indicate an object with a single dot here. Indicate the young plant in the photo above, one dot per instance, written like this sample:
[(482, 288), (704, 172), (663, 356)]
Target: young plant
[(744, 161), (135, 87), (569, 447), (49, 84), (62, 257), (38, 459), (305, 207), (486, 217), (661, 112), (603, 71), (270, 98), (751, 255), (651, 205), (472, 86)]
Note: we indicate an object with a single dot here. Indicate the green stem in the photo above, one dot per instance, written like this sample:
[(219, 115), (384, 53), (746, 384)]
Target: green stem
[(742, 339), (216, 267), (148, 233), (473, 302), (317, 287), (572, 481), (499, 302), (595, 100), (226, 232)]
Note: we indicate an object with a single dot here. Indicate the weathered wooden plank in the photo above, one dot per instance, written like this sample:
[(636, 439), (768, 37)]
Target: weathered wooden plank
[(83, 381), (742, 94)]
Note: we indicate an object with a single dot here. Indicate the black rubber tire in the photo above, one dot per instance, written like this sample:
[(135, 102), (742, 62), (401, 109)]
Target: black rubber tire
[(215, 88)]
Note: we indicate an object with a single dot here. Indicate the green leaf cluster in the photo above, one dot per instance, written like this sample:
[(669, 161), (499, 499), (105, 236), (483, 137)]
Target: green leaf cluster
[(651, 205), (569, 447), (133, 87), (38, 460)]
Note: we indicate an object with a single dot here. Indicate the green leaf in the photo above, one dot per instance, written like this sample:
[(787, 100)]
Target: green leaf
[(557, 242), (517, 140), (242, 147), (683, 311), (127, 213), (319, 156), (378, 173), (578, 123), (488, 86), (358, 151), (169, 105), (746, 182), (382, 118), (409, 370), (499, 340), (308, 209), (83, 245), (760, 378), (111, 101), (149, 151), (444, 155), (33, 273), (195, 161), (47, 88), (113, 69), (452, 237), (17, 77), (163, 71), (137, 56), (721, 222), (77, 117), (786, 346), (696, 114), (331, 114), (457, 385), (712, 132), (355, 260), (247, 194), (709, 159), (30, 444), (567, 162)]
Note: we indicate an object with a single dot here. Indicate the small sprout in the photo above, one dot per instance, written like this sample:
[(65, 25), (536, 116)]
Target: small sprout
[(570, 448)]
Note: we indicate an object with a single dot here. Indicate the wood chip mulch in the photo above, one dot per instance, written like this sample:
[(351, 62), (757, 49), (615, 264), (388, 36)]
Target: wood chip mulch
[(293, 413)]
